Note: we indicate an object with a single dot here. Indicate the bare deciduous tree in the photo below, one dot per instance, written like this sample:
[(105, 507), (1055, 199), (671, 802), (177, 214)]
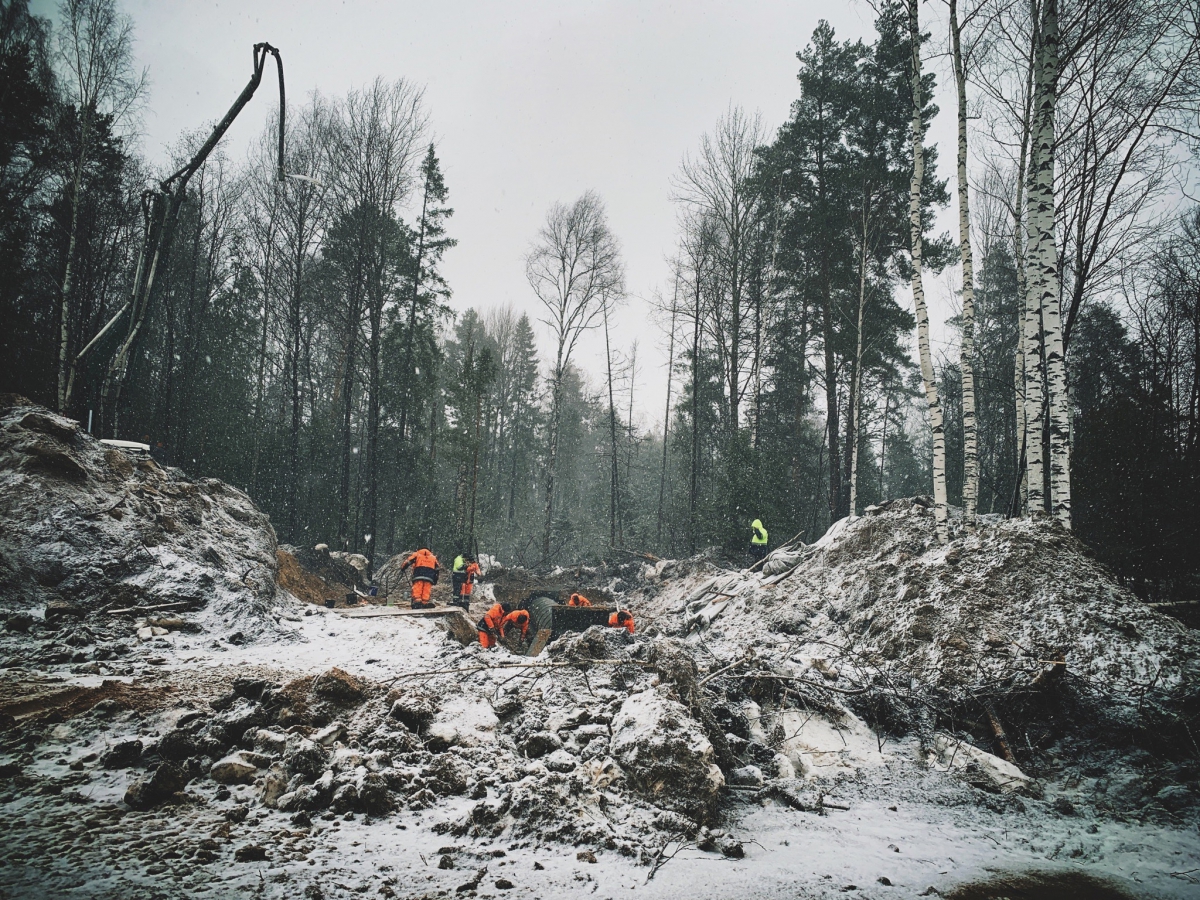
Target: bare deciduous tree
[(574, 268)]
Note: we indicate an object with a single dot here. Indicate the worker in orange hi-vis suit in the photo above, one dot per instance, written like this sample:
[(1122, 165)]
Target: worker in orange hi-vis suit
[(489, 625), (622, 618), (425, 575), (578, 600)]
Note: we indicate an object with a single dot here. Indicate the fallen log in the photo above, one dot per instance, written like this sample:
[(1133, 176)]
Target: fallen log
[(998, 733)]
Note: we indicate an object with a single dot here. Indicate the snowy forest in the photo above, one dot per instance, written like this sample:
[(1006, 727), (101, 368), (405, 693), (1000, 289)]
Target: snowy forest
[(302, 342)]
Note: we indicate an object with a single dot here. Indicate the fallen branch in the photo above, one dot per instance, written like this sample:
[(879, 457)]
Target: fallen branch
[(998, 733), (745, 658), (142, 609), (772, 677)]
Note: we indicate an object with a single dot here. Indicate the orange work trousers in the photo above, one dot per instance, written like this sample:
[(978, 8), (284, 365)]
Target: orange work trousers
[(420, 594), (487, 640)]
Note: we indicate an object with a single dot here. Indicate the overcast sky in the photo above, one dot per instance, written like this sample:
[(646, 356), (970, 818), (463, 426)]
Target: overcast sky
[(531, 103)]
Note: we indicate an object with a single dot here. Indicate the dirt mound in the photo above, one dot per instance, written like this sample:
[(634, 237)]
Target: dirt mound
[(303, 584), (1015, 614), (89, 528)]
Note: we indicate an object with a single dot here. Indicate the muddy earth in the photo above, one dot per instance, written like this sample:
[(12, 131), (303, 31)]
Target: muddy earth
[(875, 715)]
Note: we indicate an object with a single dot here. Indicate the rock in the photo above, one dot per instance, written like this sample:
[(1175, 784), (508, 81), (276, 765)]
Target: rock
[(177, 745), (274, 786), (666, 754), (329, 734), (586, 856), (19, 622), (148, 791), (462, 722), (340, 687), (504, 884), (445, 862), (730, 848), (233, 769), (271, 742), (794, 793), (746, 776), (237, 815), (61, 611), (145, 633), (345, 798), (416, 710), (540, 743), (560, 761), (374, 798), (250, 688), (122, 755), (304, 757), (250, 853), (981, 769)]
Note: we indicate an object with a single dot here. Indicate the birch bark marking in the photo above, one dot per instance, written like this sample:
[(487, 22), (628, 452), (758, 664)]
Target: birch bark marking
[(1051, 288), (936, 426), (970, 441), (1031, 327)]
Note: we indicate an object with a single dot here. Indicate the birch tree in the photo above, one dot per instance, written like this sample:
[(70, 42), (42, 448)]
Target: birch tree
[(936, 425), (95, 49), (574, 268), (970, 451)]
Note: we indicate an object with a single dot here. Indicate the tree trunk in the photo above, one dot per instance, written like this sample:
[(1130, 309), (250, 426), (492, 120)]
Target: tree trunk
[(552, 459), (856, 374), (1039, 193), (64, 334), (936, 424), (1045, 258), (970, 441), (693, 486), (662, 475), (613, 487)]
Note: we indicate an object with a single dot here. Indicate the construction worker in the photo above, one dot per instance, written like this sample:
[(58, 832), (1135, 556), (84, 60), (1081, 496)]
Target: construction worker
[(458, 575), (468, 585), (489, 625), (758, 541), (578, 600), (424, 577), (622, 618), (517, 620)]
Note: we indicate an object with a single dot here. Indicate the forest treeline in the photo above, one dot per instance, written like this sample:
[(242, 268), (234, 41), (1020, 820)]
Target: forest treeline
[(301, 343)]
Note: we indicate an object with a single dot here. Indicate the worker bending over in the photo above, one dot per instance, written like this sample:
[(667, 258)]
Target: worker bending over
[(491, 623), (578, 600), (622, 618), (515, 621), (758, 541), (424, 577)]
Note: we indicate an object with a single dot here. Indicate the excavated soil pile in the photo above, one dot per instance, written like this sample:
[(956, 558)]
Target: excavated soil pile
[(91, 529), (1015, 614)]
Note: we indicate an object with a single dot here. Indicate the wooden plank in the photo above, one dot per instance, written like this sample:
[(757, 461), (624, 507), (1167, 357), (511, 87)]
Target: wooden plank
[(371, 612), (539, 642)]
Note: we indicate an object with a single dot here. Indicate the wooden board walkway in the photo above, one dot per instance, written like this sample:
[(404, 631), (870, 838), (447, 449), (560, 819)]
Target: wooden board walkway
[(371, 612)]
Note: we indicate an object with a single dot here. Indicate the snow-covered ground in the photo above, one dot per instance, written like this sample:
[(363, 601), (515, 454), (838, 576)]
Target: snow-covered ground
[(906, 828)]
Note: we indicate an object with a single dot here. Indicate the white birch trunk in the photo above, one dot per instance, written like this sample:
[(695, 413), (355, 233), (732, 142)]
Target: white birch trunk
[(936, 425), (1051, 285), (1031, 323), (970, 441), (1021, 489)]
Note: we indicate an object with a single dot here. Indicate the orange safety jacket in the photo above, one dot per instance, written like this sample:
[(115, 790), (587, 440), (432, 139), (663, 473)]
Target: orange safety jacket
[(518, 618), (469, 585), (492, 619), (578, 600), (622, 619), (425, 566)]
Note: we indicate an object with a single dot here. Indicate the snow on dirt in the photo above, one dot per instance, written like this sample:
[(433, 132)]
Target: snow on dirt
[(820, 731)]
